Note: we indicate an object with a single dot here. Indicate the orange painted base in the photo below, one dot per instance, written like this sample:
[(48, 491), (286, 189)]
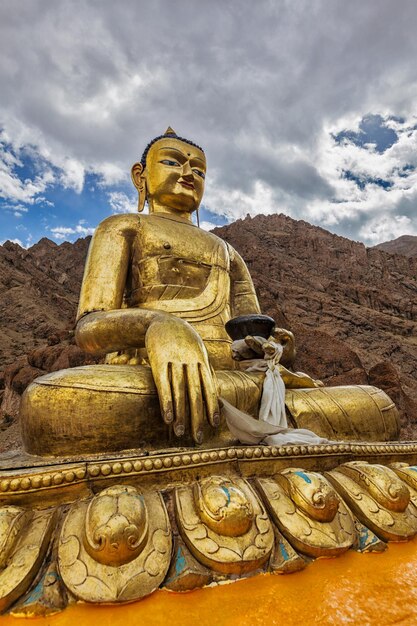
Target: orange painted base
[(358, 589)]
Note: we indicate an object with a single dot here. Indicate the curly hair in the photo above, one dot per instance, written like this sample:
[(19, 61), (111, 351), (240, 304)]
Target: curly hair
[(170, 135)]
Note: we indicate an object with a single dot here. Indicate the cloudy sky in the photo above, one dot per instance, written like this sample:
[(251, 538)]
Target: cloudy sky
[(303, 107)]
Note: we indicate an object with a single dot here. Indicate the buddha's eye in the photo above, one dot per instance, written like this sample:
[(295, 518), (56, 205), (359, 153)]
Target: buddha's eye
[(169, 162), (199, 173)]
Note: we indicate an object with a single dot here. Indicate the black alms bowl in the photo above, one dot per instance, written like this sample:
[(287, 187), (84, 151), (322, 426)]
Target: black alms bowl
[(255, 325)]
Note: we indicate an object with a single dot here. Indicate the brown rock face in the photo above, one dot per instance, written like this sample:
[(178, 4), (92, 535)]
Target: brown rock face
[(385, 376), (39, 290), (353, 310), (405, 245)]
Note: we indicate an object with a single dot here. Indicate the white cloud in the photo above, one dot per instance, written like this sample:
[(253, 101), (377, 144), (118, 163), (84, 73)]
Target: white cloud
[(235, 203), (72, 175), (17, 209), (110, 173), (387, 227), (85, 85), (16, 240), (12, 187), (66, 232), (122, 203), (360, 204), (205, 225)]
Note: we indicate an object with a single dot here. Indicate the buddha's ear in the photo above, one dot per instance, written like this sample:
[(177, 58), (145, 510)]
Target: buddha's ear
[(139, 180)]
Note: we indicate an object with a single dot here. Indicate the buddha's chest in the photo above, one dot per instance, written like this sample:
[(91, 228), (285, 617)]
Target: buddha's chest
[(170, 254)]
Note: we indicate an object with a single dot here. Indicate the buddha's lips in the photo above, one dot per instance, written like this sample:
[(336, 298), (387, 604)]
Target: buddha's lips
[(188, 185)]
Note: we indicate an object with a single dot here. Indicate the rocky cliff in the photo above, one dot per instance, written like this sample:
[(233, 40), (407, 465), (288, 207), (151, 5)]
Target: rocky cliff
[(405, 245), (353, 309)]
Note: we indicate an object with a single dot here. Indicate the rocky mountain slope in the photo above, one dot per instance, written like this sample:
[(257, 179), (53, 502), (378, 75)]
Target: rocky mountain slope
[(405, 245), (39, 291), (353, 309)]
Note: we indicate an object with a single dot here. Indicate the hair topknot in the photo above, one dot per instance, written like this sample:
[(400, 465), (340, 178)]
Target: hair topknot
[(170, 135)]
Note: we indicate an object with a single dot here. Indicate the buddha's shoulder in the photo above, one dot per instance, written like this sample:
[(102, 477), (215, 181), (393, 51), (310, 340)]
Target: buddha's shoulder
[(121, 221)]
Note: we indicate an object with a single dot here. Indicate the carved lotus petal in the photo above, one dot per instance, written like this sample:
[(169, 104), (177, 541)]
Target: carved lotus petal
[(159, 541), (251, 553), (262, 524), (78, 572), (262, 541), (69, 551), (208, 545), (223, 506), (311, 493), (382, 484), (12, 521), (116, 525), (199, 532), (152, 565)]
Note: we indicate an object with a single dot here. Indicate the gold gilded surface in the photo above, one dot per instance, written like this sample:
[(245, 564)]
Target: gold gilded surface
[(408, 474), (381, 482), (156, 294), (124, 563), (12, 520), (50, 482), (230, 506), (311, 494), (25, 547), (124, 542), (379, 499), (338, 412), (308, 512), (116, 525), (223, 507)]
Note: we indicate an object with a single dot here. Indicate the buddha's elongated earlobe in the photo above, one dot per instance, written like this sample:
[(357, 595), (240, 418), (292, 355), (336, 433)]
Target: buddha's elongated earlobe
[(198, 217), (141, 196), (139, 181)]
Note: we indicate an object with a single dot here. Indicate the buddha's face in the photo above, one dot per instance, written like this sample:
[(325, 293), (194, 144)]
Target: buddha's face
[(175, 173)]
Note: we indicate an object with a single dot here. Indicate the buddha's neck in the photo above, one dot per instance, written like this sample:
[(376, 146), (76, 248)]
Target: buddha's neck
[(172, 214)]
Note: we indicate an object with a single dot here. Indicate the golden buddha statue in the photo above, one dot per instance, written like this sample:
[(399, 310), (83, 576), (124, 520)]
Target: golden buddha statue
[(156, 294)]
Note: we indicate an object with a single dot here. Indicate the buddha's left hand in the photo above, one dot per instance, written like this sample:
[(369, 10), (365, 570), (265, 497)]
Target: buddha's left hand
[(182, 375), (287, 340)]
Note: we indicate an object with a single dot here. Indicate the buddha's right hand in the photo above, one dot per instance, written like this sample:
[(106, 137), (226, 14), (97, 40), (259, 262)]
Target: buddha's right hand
[(182, 375)]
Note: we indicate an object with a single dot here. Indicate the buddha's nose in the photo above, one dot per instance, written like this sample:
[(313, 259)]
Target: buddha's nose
[(187, 172)]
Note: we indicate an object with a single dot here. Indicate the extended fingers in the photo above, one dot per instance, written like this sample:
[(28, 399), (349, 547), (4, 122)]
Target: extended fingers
[(161, 377), (178, 381), (210, 395), (195, 398)]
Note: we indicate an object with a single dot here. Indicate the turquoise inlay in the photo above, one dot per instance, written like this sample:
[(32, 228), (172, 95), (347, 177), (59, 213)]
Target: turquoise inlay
[(413, 468), (226, 491), (303, 476), (179, 562), (366, 538), (363, 537), (179, 566), (284, 552), (35, 594)]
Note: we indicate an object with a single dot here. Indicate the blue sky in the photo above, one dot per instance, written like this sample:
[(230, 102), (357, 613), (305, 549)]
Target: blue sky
[(303, 108), (65, 214), (58, 211)]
